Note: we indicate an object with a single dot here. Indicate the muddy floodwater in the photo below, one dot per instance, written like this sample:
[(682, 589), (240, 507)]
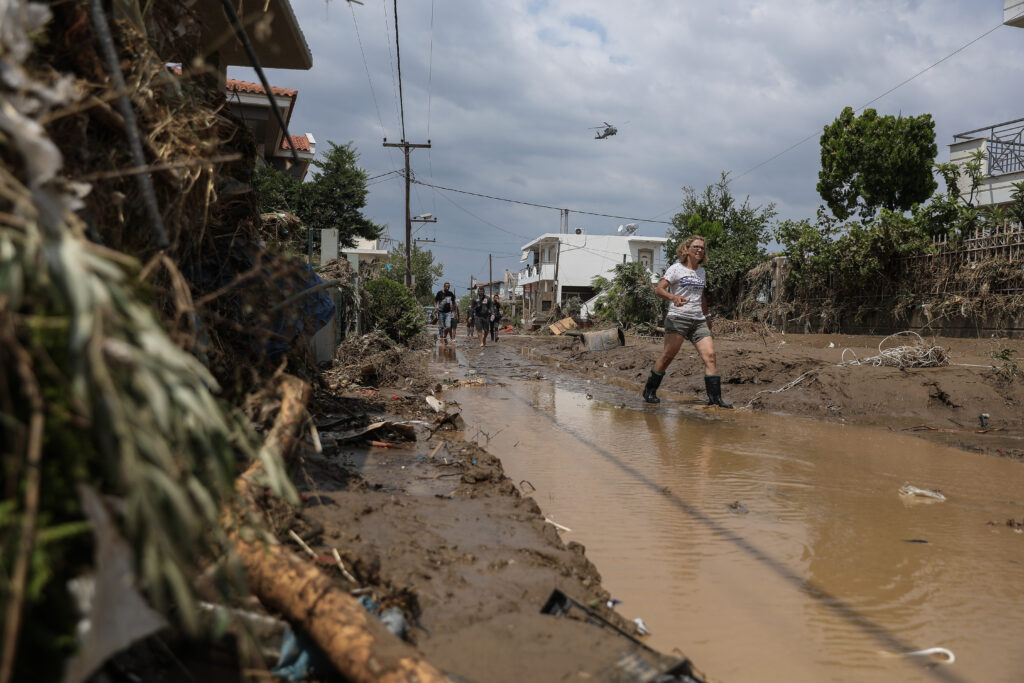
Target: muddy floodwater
[(766, 547)]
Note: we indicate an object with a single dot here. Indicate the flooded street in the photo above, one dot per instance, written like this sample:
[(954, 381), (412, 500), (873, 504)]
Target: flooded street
[(762, 547)]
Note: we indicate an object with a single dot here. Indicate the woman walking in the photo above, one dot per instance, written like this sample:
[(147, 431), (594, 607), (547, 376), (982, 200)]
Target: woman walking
[(683, 287)]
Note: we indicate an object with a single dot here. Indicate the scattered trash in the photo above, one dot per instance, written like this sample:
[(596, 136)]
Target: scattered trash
[(435, 405), (983, 420), (917, 355), (641, 627), (436, 449), (831, 345), (395, 621), (300, 658), (931, 494), (114, 614), (532, 487), (557, 525), (382, 444), (302, 544), (681, 669), (934, 651), (392, 617), (914, 540), (738, 508), (562, 325), (929, 428), (605, 339), (341, 566)]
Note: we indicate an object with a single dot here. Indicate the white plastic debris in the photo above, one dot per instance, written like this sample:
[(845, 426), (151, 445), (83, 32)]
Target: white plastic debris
[(909, 490), (641, 627), (937, 651)]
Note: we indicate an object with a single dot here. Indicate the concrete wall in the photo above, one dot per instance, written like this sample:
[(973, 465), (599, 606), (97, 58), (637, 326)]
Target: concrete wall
[(994, 189)]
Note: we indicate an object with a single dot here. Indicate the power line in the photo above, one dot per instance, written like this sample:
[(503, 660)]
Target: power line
[(887, 92), (366, 66), (540, 206), (398, 58), (391, 60), (482, 220), (430, 80)]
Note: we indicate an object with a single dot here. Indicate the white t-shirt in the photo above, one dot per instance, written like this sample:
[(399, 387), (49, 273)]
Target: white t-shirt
[(689, 284)]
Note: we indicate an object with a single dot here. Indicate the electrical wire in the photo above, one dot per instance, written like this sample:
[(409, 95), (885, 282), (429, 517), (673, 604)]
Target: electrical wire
[(430, 80), (482, 220), (540, 206), (887, 92), (369, 79), (391, 60), (398, 58)]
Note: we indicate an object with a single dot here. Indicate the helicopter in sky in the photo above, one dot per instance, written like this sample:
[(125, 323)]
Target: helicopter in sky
[(605, 131)]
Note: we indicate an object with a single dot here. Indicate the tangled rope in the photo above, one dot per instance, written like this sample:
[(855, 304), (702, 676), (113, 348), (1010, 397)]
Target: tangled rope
[(910, 356), (792, 384)]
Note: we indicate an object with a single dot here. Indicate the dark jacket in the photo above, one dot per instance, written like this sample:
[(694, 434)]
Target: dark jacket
[(481, 306)]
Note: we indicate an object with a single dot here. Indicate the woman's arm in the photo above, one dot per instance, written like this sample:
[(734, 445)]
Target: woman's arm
[(662, 293)]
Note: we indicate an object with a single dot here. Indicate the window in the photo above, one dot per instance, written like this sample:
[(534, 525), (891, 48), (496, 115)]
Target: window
[(646, 257)]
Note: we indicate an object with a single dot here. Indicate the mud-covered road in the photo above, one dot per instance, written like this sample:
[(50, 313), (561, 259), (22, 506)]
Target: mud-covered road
[(767, 543), (757, 541)]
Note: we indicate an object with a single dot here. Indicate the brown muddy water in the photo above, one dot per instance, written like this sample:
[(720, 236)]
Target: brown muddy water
[(763, 547)]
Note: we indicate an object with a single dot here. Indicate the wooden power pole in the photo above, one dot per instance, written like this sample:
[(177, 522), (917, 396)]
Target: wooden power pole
[(490, 273), (406, 148)]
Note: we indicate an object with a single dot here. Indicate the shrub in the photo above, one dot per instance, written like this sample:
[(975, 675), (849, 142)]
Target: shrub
[(393, 310)]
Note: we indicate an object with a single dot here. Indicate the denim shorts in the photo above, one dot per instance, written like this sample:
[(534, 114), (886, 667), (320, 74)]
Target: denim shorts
[(693, 329), (444, 320)]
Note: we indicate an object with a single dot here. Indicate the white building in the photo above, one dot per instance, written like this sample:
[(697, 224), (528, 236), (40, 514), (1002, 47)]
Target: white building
[(562, 265), (1001, 143)]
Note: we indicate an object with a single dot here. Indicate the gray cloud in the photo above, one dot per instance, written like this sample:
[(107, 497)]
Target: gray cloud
[(514, 86)]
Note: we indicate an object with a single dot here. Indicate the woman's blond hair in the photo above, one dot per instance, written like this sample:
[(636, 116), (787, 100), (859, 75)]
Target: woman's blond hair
[(684, 247)]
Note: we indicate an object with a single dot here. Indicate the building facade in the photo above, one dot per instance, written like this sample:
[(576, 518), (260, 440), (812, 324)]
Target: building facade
[(562, 265)]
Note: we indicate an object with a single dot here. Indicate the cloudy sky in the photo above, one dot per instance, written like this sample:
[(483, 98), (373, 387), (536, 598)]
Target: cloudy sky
[(507, 91)]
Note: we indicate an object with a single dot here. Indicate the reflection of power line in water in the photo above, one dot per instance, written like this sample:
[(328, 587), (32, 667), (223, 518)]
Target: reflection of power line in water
[(836, 605)]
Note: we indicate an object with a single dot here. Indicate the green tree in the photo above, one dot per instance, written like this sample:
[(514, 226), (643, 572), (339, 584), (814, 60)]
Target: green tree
[(870, 162), (424, 271), (733, 232), (629, 297), (393, 310), (275, 191), (333, 198)]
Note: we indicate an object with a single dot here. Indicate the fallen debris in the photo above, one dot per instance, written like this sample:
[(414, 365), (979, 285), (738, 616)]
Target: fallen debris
[(932, 494)]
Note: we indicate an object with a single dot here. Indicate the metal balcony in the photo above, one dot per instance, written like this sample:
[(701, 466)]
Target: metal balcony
[(1004, 144)]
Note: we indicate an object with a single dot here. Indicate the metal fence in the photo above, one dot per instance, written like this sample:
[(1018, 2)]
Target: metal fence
[(1001, 244), (1005, 145)]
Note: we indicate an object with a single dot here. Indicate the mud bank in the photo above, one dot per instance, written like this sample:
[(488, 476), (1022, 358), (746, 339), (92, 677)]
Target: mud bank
[(433, 526), (944, 404)]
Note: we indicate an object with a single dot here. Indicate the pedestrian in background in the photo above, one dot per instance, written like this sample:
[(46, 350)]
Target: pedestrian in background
[(683, 287), (481, 308), (445, 306), (495, 316)]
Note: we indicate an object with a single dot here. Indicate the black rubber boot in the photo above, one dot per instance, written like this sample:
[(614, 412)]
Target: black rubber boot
[(713, 385), (650, 389)]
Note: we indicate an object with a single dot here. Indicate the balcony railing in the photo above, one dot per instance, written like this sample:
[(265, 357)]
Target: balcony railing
[(544, 271), (1005, 145)]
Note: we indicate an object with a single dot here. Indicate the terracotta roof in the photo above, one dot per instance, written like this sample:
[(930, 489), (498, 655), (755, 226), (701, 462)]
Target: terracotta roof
[(235, 85), (301, 143)]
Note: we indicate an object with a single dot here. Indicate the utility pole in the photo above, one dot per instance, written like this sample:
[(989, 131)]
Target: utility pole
[(490, 273), (406, 147)]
